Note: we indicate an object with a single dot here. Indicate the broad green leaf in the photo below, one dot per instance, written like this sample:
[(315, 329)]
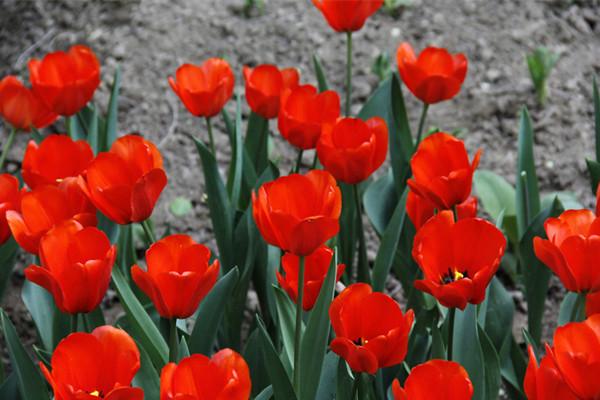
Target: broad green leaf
[(567, 312), (210, 314), (467, 352), (438, 347), (234, 180), (568, 200), (594, 170), (8, 253), (491, 365), (110, 228), (253, 355), (380, 200), (321, 79), (9, 388), (328, 381), (495, 193), (181, 206), (147, 378), (266, 394), (257, 136), (286, 310), (513, 369), (344, 380), (110, 130), (29, 380), (496, 313), (141, 324)]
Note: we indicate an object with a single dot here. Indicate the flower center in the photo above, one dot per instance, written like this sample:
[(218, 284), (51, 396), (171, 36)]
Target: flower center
[(453, 275), (361, 341), (95, 393)]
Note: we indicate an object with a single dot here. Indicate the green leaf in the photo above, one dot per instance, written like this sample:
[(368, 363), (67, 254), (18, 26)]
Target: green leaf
[(316, 336), (92, 131), (29, 380), (141, 323), (282, 387), (181, 206), (94, 319), (566, 308), (147, 378), (51, 324), (234, 181), (253, 355), (110, 228), (344, 380), (380, 200), (491, 365), (467, 352), (328, 381), (347, 237), (438, 347), (321, 79), (9, 389), (513, 368), (210, 314), (496, 313), (568, 200), (527, 193), (389, 245), (286, 311), (266, 394), (110, 132), (221, 210), (257, 136), (594, 170), (495, 193), (8, 254)]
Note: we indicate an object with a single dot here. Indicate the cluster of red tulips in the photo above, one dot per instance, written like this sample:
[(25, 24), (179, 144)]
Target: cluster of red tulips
[(298, 240)]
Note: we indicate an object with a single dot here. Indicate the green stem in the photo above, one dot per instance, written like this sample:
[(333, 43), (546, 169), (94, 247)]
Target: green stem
[(86, 323), (263, 144), (578, 309), (150, 238), (355, 386), (298, 161), (422, 123), (7, 146), (348, 71), (83, 124), (362, 273), (210, 136), (298, 334), (315, 161), (74, 318), (451, 318), (173, 340)]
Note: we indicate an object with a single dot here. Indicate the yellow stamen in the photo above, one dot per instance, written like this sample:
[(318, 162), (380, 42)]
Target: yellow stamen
[(95, 393), (458, 275)]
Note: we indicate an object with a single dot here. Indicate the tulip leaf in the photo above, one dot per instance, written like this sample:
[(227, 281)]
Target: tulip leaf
[(320, 74), (268, 259), (29, 380), (142, 326), (328, 381), (495, 193), (8, 254), (256, 363), (221, 211), (316, 337), (567, 306), (344, 380), (147, 378), (389, 244), (110, 228), (110, 129), (210, 314), (282, 387), (9, 388), (568, 200), (347, 237), (286, 310), (51, 324), (380, 200), (234, 180), (536, 275), (594, 170), (491, 365), (257, 137), (527, 192), (438, 347), (93, 319), (496, 313), (513, 369), (266, 394)]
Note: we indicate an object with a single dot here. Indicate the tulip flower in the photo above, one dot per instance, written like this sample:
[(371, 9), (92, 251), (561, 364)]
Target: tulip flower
[(10, 199), (425, 381), (592, 304), (265, 85), (97, 365), (224, 376), (298, 213), (419, 209), (434, 76), (572, 249), (371, 330), (441, 171), (125, 182), (453, 273), (56, 158), (317, 265), (204, 89), (179, 275), (303, 112), (352, 149), (21, 108), (76, 266), (45, 207), (66, 81), (347, 16), (544, 381)]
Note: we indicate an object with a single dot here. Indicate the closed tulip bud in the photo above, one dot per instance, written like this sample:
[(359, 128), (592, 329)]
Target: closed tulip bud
[(265, 85), (349, 15)]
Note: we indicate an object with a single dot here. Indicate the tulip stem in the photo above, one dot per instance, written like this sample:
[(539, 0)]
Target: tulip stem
[(362, 274), (150, 238), (355, 386), (298, 161), (348, 71), (298, 334), (74, 318), (578, 307), (7, 145), (451, 318), (422, 123), (315, 161), (210, 136), (173, 340)]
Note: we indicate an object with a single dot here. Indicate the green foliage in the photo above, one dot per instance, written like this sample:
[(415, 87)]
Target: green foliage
[(541, 62)]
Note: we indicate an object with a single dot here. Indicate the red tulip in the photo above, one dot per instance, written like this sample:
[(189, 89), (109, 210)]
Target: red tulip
[(352, 149), (224, 376), (45, 207), (66, 81), (316, 267), (434, 76), (298, 213), (10, 199), (349, 15), (592, 304), (441, 170), (264, 86), (97, 365), (179, 275), (304, 111), (21, 108), (544, 381), (56, 158), (204, 89), (125, 182), (371, 331), (572, 249), (419, 209), (426, 380), (453, 273), (76, 266)]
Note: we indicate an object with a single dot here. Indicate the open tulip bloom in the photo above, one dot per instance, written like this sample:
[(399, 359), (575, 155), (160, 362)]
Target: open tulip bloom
[(390, 267)]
